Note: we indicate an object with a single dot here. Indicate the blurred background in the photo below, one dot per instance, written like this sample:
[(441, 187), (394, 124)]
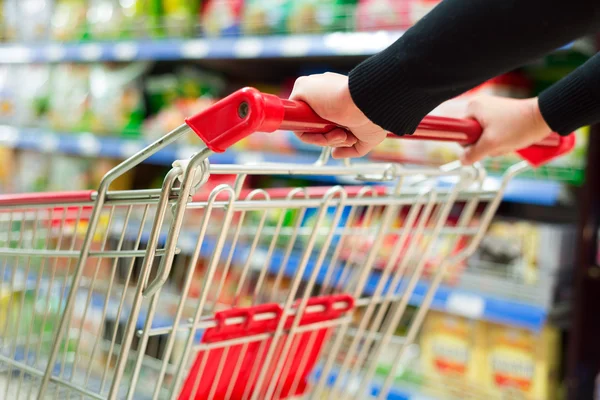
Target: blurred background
[(86, 83)]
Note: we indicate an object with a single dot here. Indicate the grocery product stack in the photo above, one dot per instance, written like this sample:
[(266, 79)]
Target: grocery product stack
[(87, 83)]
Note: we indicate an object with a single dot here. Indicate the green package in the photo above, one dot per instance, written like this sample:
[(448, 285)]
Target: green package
[(311, 16), (180, 17), (69, 20), (141, 18), (265, 16), (116, 98)]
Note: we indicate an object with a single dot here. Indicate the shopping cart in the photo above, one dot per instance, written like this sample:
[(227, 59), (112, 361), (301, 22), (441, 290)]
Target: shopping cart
[(206, 289)]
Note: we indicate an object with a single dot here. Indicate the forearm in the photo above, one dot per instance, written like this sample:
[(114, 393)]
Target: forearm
[(459, 45)]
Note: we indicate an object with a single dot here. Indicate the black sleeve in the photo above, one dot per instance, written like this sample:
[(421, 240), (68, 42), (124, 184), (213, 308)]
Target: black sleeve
[(574, 101), (461, 44)]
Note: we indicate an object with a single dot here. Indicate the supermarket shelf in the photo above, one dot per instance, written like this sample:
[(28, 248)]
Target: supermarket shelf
[(528, 191), (454, 300), (234, 47)]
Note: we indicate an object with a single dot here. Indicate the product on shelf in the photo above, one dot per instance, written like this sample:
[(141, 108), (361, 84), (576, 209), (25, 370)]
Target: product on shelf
[(310, 16), (10, 19), (265, 16), (69, 20), (222, 17), (33, 95), (382, 14), (68, 173), (174, 97), (32, 173), (116, 98), (180, 17), (105, 19), (37, 14), (70, 97), (452, 353), (7, 170), (414, 247), (8, 93), (523, 252), (141, 18), (520, 363)]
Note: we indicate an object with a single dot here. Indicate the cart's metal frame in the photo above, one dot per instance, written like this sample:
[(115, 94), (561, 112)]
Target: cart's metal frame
[(356, 343)]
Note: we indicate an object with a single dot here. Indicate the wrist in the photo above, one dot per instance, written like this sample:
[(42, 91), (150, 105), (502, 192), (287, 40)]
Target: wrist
[(538, 120), (352, 113)]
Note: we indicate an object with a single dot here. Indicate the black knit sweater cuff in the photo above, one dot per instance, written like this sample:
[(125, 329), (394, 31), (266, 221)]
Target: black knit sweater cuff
[(385, 98), (569, 104)]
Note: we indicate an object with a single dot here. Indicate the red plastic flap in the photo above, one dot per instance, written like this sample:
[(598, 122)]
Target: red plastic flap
[(232, 372), (538, 155)]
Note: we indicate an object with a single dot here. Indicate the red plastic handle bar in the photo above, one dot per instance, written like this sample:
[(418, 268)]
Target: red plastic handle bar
[(248, 110), (49, 198)]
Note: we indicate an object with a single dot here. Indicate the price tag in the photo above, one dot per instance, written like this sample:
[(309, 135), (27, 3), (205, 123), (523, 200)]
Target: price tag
[(129, 148), (467, 305), (48, 143), (90, 52), (89, 145), (56, 52), (9, 135), (195, 49), (295, 47), (248, 48), (126, 51)]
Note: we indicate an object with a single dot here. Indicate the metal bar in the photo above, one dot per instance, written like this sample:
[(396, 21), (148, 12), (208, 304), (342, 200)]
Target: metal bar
[(168, 183), (30, 370), (210, 271), (93, 223), (76, 254)]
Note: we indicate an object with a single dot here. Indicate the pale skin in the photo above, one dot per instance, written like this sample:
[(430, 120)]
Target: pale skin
[(508, 124)]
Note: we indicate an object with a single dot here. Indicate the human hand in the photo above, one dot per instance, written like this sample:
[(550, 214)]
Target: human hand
[(508, 125), (329, 96)]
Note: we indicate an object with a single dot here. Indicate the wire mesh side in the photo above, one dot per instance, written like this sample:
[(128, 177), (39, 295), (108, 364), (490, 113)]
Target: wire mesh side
[(253, 251), (40, 249)]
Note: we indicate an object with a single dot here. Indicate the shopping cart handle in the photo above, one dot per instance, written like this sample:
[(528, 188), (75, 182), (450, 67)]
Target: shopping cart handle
[(248, 110)]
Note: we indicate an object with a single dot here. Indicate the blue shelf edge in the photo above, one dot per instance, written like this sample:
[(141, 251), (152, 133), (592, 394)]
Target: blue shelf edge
[(519, 190), (489, 308), (231, 47), (332, 44)]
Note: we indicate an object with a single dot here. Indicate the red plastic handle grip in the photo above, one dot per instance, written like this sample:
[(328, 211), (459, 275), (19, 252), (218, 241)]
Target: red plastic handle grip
[(248, 110)]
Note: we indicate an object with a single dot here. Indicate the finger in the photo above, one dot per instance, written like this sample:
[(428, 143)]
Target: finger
[(303, 86), (476, 152), (335, 137), (350, 141), (357, 150)]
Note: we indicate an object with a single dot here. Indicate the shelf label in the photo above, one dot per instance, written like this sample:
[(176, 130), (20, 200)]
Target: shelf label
[(55, 52), (467, 305), (195, 49), (91, 52), (129, 148), (248, 48), (48, 143), (16, 54), (126, 51), (359, 43), (9, 135), (295, 47), (89, 145), (249, 158)]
